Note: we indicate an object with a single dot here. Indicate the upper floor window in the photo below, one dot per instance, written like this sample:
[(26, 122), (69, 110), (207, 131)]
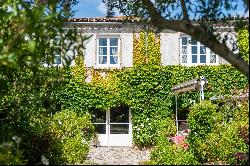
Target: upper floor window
[(57, 56), (195, 53), (54, 58), (107, 52), (57, 52)]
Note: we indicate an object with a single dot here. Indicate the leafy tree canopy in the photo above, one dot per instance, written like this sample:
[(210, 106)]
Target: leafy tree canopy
[(31, 30)]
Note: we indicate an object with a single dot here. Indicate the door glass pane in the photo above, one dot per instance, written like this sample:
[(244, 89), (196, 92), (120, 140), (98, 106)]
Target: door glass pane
[(119, 114), (98, 116), (203, 59), (213, 58), (119, 128), (113, 41), (102, 41), (202, 50), (194, 58), (113, 59), (100, 128), (193, 42)]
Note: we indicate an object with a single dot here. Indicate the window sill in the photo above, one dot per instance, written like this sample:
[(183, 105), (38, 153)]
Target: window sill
[(199, 64), (107, 67), (53, 65)]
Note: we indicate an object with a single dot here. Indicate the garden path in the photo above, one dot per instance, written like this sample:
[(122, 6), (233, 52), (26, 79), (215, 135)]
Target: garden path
[(117, 155)]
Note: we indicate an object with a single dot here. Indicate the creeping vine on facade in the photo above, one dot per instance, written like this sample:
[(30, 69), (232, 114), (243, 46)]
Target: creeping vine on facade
[(146, 49)]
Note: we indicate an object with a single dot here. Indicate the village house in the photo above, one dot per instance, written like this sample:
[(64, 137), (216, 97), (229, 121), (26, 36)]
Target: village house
[(111, 46)]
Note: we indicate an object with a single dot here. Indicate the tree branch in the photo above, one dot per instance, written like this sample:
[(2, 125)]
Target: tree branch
[(246, 3), (184, 10), (199, 34)]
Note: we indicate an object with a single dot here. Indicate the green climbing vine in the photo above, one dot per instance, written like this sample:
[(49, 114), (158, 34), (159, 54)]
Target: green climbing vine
[(243, 43), (78, 69), (146, 88), (146, 49)]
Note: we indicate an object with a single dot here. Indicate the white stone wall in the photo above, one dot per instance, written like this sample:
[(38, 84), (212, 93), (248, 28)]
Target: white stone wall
[(126, 49), (90, 51), (232, 39), (170, 48)]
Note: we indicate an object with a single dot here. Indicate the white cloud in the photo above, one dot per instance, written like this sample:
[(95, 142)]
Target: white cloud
[(102, 8)]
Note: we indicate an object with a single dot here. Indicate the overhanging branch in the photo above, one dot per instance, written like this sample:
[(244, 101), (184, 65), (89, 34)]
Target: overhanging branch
[(199, 34), (184, 10)]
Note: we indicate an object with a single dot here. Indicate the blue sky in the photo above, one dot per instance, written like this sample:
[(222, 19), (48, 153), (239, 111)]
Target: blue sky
[(95, 8), (90, 8)]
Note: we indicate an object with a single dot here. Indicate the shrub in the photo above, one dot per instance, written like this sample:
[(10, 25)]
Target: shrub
[(222, 145), (71, 135), (10, 154), (201, 119), (166, 127), (146, 89), (166, 153), (219, 137)]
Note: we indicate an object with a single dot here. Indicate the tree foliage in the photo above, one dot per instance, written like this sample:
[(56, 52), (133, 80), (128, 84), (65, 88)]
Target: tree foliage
[(32, 32)]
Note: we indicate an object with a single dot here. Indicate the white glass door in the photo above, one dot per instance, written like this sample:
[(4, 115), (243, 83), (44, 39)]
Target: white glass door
[(100, 122), (119, 123), (113, 126)]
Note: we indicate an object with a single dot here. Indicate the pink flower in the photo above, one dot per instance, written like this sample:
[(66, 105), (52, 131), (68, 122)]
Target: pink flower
[(179, 140)]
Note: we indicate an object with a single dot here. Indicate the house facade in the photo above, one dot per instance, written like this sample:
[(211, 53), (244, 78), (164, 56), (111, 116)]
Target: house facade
[(111, 46)]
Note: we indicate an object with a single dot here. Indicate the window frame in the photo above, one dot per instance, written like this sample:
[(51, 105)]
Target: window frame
[(59, 47), (189, 54), (108, 37)]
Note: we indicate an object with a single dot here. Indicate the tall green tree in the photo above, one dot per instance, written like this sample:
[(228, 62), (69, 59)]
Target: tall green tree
[(33, 30), (179, 15)]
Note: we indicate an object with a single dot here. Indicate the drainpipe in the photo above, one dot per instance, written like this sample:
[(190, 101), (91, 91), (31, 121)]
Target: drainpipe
[(146, 39), (202, 83), (176, 118)]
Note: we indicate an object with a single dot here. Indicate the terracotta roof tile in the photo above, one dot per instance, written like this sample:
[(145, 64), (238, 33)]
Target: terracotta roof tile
[(138, 19), (106, 19)]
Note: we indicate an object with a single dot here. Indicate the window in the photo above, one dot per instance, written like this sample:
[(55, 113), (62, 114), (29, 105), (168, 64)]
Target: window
[(55, 54), (195, 53), (107, 53)]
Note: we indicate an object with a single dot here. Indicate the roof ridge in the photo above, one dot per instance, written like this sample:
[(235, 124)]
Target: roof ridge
[(139, 19)]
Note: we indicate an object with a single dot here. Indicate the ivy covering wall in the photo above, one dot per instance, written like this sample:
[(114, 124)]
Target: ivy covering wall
[(243, 43), (146, 49), (147, 90)]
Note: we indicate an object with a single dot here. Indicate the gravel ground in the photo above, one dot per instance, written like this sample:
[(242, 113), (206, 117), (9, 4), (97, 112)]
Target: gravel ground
[(117, 155)]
